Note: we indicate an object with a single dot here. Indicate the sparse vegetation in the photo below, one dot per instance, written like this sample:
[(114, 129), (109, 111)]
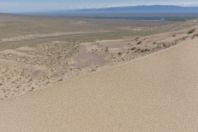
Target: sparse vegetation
[(154, 42), (134, 48), (194, 36), (139, 42), (119, 53), (191, 31), (145, 50)]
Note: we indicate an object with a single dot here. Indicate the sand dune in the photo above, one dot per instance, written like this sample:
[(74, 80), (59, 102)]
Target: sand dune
[(157, 93)]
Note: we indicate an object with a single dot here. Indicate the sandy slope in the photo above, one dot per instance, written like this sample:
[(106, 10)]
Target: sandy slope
[(157, 93)]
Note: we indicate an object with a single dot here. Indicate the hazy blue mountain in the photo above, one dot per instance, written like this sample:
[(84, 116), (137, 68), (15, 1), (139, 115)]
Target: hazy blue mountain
[(154, 12), (139, 9), (153, 9)]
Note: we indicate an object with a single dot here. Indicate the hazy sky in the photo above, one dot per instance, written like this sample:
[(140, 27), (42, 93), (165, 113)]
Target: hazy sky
[(42, 5)]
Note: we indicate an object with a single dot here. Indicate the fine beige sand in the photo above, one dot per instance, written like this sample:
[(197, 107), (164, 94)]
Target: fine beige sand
[(156, 93)]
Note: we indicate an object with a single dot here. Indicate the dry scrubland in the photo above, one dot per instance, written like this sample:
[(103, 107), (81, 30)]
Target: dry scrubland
[(36, 52)]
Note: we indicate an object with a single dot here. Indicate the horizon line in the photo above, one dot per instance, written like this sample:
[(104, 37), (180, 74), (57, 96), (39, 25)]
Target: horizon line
[(105, 7)]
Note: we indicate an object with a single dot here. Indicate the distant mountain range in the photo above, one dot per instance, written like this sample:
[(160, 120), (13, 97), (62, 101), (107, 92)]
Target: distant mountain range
[(153, 9), (153, 12), (140, 9)]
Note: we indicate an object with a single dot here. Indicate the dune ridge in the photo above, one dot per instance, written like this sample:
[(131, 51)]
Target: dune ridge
[(151, 94)]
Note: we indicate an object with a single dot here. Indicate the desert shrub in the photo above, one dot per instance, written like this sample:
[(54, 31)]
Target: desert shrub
[(138, 50), (166, 45), (106, 49), (133, 48), (184, 38), (145, 50), (191, 31), (137, 38), (138, 43), (119, 53), (195, 35)]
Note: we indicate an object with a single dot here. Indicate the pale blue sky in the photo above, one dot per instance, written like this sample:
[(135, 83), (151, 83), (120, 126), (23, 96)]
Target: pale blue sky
[(42, 5)]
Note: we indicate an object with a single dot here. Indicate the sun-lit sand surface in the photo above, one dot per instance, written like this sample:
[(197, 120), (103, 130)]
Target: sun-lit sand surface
[(156, 93)]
